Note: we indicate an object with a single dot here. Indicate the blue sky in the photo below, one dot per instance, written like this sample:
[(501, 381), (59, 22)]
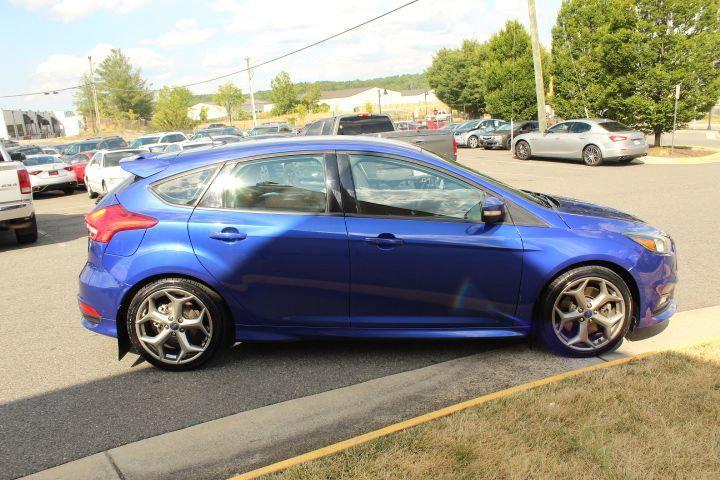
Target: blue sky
[(176, 42)]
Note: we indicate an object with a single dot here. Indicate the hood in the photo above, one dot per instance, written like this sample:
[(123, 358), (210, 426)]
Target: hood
[(579, 215)]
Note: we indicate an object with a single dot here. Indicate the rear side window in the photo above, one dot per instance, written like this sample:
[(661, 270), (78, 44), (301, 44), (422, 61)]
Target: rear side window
[(615, 127), (291, 183), (579, 127), (365, 124), (185, 189)]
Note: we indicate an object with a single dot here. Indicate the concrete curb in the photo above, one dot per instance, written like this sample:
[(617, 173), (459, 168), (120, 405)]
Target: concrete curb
[(253, 439), (711, 158)]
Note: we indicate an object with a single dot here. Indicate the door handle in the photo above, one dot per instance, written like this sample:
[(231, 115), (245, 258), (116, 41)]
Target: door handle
[(228, 235), (384, 241)]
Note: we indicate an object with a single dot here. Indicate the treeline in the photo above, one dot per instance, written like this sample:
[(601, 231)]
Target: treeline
[(610, 58)]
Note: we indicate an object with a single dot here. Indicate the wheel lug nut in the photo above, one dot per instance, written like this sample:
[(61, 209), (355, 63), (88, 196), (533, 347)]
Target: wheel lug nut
[(173, 334), (182, 329), (580, 310), (167, 326), (179, 320)]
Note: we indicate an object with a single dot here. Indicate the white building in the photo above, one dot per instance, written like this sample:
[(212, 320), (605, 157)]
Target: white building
[(213, 111), (29, 124), (71, 122), (355, 99), (261, 106)]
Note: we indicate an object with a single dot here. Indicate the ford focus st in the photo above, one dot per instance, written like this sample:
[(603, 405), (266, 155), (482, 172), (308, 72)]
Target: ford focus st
[(349, 237)]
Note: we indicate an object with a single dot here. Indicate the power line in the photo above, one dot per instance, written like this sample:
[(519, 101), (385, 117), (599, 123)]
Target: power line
[(274, 59)]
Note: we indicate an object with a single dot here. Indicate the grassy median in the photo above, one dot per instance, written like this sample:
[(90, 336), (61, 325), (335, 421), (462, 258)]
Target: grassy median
[(654, 418)]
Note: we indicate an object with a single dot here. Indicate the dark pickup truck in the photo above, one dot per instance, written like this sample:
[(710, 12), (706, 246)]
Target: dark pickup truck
[(439, 142)]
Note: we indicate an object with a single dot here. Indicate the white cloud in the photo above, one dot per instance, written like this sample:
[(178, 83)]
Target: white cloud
[(69, 10), (186, 32), (61, 70)]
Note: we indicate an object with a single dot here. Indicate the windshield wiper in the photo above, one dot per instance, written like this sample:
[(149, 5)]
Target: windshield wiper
[(543, 198)]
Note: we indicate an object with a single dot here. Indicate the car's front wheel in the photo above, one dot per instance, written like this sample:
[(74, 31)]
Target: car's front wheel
[(585, 312), (176, 323), (473, 141), (522, 150)]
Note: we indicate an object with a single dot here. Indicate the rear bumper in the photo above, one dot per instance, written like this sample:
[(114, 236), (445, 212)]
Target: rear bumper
[(15, 212), (103, 292), (617, 151)]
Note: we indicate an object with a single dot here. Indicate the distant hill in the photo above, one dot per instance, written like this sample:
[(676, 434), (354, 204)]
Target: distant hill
[(408, 81)]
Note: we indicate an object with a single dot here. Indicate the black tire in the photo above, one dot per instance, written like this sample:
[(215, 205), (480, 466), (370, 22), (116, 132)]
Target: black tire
[(28, 234), (508, 144), (592, 156), (212, 302), (522, 150), (69, 190), (473, 141), (90, 192), (545, 328)]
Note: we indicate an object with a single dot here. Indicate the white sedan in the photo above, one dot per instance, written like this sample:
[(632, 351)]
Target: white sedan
[(103, 171), (48, 172)]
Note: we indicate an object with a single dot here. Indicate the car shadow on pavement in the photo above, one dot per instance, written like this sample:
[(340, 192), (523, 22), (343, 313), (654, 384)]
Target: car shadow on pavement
[(62, 425), (607, 163), (52, 228)]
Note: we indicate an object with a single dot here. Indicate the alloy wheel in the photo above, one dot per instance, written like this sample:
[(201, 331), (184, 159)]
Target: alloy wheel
[(522, 150), (472, 142), (588, 314), (592, 155), (173, 326)]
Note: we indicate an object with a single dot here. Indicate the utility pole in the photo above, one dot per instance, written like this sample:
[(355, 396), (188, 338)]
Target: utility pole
[(94, 91), (252, 95), (677, 97), (537, 63)]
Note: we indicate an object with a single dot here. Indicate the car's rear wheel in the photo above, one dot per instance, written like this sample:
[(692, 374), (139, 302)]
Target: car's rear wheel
[(592, 156), (522, 150), (585, 312), (176, 323), (28, 234), (473, 141)]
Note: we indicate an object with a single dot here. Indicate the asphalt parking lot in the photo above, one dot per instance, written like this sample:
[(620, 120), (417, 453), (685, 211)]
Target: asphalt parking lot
[(65, 395)]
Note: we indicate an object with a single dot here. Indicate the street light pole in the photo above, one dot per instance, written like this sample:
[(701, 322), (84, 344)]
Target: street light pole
[(537, 64), (426, 103), (252, 95), (94, 91), (379, 104)]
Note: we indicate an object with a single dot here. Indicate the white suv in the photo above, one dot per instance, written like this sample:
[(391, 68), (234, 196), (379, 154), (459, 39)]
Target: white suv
[(16, 201)]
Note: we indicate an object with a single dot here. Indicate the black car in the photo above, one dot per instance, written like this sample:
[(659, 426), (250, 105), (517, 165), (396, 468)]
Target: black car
[(96, 143), (500, 137), (27, 150)]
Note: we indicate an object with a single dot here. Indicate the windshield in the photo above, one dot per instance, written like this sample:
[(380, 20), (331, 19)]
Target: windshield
[(503, 128), (139, 142), (112, 159), (40, 160), (615, 127)]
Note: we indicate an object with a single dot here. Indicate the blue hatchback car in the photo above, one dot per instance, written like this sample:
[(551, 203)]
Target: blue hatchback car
[(349, 237)]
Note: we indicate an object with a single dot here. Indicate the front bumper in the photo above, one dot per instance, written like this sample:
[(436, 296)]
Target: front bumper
[(656, 277)]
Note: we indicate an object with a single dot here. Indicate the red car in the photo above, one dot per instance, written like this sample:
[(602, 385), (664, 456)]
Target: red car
[(78, 162)]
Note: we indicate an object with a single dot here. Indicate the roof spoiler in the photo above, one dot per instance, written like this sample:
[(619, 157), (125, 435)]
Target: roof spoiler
[(145, 164)]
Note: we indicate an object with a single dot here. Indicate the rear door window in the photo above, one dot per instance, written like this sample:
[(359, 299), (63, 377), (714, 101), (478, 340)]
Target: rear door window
[(579, 127), (561, 127), (288, 183)]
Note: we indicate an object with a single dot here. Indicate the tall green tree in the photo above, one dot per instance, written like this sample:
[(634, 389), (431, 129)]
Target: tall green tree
[(230, 97), (283, 94), (311, 98), (622, 59), (508, 78), (171, 111), (455, 75), (122, 87)]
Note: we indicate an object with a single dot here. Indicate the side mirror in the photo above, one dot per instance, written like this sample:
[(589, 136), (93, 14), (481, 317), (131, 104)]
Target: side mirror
[(17, 157), (493, 210)]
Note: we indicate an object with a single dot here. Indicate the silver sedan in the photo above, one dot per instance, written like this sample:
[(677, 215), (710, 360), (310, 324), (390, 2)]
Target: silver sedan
[(589, 140)]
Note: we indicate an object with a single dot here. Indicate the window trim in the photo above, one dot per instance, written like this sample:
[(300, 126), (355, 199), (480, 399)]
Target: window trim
[(348, 188), (328, 156)]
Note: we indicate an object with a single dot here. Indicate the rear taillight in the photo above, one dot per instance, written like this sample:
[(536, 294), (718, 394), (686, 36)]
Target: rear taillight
[(24, 181), (89, 312), (104, 223), (618, 138), (454, 145)]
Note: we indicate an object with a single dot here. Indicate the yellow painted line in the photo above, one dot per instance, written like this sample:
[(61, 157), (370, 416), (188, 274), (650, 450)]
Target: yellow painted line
[(443, 412)]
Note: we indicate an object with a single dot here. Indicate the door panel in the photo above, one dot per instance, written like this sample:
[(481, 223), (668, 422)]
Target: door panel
[(415, 257), (444, 274), (284, 267)]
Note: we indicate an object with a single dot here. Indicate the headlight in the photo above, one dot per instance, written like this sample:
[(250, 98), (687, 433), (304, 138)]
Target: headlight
[(655, 243)]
